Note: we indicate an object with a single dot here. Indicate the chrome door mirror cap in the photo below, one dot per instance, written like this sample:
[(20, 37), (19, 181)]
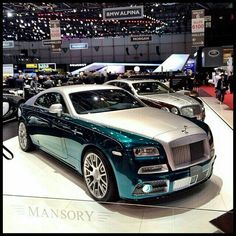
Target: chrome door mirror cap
[(56, 108)]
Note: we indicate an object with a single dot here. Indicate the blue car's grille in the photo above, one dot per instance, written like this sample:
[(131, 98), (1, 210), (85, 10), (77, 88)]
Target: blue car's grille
[(188, 154)]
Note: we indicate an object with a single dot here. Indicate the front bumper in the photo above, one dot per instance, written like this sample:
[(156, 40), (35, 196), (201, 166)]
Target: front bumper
[(156, 185)]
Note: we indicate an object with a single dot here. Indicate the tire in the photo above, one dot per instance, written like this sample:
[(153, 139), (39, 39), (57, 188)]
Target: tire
[(24, 138), (99, 177)]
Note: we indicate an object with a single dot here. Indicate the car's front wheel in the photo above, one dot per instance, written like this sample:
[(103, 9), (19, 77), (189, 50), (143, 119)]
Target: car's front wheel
[(99, 177), (24, 138)]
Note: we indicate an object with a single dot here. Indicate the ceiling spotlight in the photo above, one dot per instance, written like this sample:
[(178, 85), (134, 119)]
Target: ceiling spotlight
[(9, 14)]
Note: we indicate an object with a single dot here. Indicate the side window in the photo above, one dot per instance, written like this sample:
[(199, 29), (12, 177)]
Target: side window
[(114, 84), (43, 101), (48, 99), (126, 87)]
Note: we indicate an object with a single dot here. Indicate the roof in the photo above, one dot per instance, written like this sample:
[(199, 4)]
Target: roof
[(131, 81), (78, 88)]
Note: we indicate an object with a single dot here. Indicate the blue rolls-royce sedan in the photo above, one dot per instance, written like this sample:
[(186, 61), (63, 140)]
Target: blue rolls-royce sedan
[(122, 147)]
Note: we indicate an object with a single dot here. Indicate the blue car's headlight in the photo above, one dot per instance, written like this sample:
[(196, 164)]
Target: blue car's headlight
[(146, 151)]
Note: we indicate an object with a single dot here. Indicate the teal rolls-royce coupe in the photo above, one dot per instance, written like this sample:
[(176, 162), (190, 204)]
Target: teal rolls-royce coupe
[(120, 146)]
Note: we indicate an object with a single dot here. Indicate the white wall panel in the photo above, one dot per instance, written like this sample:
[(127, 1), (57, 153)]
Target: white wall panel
[(110, 49)]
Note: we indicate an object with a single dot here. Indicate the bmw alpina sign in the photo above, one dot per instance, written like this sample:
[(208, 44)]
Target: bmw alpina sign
[(122, 13)]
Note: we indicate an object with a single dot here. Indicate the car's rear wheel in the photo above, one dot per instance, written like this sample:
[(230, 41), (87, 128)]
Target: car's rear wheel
[(99, 177), (18, 114), (24, 138)]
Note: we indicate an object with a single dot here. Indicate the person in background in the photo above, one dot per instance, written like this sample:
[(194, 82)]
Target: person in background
[(230, 82), (197, 81), (190, 80), (207, 77), (34, 84), (20, 82), (215, 80), (222, 87), (40, 79), (48, 83)]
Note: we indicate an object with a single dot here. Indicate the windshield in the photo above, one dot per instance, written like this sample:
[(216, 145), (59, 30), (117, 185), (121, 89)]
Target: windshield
[(151, 87), (96, 101)]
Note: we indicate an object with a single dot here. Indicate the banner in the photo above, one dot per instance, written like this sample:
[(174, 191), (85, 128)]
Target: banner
[(32, 66), (55, 33), (47, 66), (8, 44), (55, 30), (56, 47), (207, 21), (140, 38), (8, 70), (77, 46), (198, 27), (122, 13), (212, 57), (49, 42)]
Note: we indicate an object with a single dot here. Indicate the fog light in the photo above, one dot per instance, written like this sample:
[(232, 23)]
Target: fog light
[(147, 188)]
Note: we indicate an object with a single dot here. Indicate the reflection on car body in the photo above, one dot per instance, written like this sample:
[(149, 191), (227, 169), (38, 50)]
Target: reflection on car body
[(122, 147), (11, 103), (156, 94)]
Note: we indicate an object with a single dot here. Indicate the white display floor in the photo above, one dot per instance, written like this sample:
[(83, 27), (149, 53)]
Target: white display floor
[(42, 195)]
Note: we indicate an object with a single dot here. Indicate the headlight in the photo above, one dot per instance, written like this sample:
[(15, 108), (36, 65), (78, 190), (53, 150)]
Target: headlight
[(174, 110), (165, 109), (187, 111), (146, 151)]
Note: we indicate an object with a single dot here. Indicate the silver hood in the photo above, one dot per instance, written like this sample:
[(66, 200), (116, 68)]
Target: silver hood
[(145, 121), (176, 99)]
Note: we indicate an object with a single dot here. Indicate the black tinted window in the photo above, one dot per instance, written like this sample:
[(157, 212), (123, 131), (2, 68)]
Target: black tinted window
[(103, 100), (145, 88), (46, 100)]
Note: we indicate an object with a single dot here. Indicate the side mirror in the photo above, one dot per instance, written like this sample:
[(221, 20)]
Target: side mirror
[(56, 108)]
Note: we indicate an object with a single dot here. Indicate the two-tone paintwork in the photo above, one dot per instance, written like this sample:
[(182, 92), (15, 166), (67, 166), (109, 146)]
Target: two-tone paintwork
[(67, 137)]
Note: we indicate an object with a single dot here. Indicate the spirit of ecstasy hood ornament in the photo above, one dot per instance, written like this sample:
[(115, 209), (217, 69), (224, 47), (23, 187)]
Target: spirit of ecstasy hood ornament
[(185, 129)]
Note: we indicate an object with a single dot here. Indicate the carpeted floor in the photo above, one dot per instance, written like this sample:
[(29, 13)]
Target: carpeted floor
[(208, 90)]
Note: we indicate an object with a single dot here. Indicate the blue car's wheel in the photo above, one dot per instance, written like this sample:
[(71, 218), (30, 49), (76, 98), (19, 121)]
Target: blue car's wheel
[(23, 137), (99, 177)]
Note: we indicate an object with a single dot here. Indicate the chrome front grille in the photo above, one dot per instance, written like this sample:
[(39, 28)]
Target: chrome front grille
[(188, 154)]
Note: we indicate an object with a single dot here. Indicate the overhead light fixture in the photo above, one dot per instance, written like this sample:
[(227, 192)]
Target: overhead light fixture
[(9, 14)]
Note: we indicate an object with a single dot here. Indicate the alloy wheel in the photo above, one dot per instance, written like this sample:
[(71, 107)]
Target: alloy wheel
[(22, 133), (95, 175)]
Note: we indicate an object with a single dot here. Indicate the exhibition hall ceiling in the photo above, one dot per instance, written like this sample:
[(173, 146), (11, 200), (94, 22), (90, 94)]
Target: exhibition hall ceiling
[(30, 21)]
